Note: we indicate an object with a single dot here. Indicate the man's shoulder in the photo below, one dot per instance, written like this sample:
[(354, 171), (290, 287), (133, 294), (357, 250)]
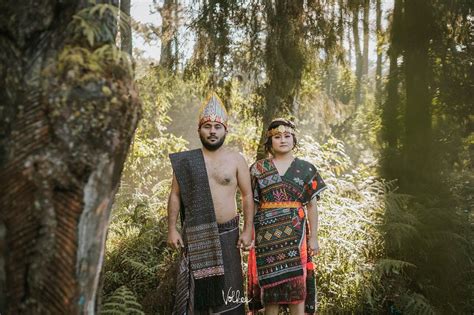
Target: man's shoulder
[(183, 153), (192, 156), (232, 155)]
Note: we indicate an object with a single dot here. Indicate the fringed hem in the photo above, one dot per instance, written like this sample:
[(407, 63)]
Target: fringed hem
[(274, 284)]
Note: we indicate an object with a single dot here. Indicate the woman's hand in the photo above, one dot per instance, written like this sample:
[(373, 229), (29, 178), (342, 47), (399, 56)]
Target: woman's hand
[(245, 240), (313, 245)]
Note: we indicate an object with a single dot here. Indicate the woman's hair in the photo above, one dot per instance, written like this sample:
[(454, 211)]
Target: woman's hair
[(274, 124)]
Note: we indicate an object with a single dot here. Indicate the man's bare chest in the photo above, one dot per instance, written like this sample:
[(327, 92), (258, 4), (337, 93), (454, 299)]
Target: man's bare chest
[(222, 174)]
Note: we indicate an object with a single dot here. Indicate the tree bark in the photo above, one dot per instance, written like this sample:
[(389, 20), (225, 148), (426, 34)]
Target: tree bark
[(175, 36), (365, 51), (417, 145), (378, 69), (391, 109), (167, 34), (357, 53), (349, 51), (284, 60), (65, 128)]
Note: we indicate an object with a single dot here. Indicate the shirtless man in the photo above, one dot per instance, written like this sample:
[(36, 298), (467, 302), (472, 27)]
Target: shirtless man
[(225, 172)]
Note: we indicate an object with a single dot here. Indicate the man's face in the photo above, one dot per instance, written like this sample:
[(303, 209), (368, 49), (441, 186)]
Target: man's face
[(212, 135)]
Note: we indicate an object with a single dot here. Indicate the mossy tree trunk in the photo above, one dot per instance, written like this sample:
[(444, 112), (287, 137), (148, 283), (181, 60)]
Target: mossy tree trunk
[(68, 112)]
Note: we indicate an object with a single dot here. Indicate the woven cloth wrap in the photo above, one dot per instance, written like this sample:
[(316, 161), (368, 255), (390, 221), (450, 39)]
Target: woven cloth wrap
[(201, 232)]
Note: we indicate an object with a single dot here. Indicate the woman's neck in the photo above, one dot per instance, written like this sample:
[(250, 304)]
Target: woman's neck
[(288, 156)]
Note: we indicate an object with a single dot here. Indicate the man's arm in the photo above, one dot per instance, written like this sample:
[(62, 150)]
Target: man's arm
[(174, 203), (313, 218), (243, 182)]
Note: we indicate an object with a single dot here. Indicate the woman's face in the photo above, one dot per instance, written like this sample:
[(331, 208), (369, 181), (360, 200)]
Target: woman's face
[(282, 143)]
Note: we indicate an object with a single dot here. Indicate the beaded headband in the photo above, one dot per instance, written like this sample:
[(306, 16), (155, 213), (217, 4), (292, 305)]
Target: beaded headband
[(279, 130)]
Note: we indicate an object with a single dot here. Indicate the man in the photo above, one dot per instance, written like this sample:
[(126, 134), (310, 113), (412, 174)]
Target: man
[(203, 191)]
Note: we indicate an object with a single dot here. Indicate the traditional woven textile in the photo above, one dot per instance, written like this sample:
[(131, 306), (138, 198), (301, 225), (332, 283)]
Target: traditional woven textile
[(184, 300), (279, 267), (234, 282), (228, 236), (202, 238)]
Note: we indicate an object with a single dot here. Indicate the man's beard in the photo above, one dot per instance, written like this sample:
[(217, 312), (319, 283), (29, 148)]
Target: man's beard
[(212, 146)]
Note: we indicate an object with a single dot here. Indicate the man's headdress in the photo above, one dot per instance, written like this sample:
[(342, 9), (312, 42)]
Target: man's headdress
[(213, 110)]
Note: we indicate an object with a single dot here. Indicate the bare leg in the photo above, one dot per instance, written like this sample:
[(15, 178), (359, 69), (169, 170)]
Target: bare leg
[(271, 309), (297, 309)]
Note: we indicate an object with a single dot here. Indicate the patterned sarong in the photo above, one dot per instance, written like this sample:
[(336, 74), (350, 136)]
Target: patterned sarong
[(203, 246), (228, 235), (278, 238)]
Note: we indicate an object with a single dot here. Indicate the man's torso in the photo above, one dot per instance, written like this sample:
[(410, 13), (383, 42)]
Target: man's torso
[(222, 174)]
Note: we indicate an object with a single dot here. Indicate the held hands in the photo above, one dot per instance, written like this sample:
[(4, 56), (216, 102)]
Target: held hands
[(245, 240), (174, 239), (313, 245)]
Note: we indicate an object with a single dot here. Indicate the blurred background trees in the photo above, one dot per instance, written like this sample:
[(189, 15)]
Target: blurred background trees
[(381, 92)]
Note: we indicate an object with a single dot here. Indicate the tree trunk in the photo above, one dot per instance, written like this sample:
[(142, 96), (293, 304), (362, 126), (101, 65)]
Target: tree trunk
[(340, 24), (365, 52), (349, 51), (284, 58), (167, 34), (357, 53), (64, 133), (126, 31), (175, 37), (417, 147), (391, 167), (378, 69)]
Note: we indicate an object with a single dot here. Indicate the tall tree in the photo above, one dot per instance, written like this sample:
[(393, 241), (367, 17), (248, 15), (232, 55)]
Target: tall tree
[(417, 82), (168, 34), (284, 58), (365, 49), (379, 37), (213, 39), (417, 147), (355, 8), (68, 112), (391, 107), (366, 30)]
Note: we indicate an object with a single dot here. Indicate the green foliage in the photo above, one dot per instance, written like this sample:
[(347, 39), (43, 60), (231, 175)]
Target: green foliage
[(417, 304), (383, 250), (136, 243), (97, 24), (244, 128), (122, 302), (350, 212)]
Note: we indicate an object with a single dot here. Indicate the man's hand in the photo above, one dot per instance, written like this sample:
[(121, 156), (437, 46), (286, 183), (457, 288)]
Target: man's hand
[(174, 239), (313, 245), (245, 240)]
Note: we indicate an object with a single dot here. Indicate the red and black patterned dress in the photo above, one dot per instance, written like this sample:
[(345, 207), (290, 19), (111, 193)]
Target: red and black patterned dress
[(280, 269)]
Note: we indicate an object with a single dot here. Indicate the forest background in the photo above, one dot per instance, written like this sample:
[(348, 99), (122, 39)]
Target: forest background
[(381, 93)]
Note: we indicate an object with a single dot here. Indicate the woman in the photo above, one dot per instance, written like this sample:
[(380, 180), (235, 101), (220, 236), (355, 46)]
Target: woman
[(285, 191)]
